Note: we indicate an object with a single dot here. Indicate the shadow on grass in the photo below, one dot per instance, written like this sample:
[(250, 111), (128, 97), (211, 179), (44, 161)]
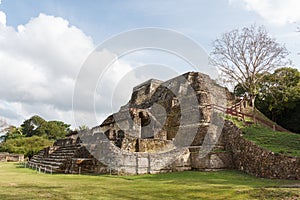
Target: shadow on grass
[(34, 195), (38, 187), (228, 178)]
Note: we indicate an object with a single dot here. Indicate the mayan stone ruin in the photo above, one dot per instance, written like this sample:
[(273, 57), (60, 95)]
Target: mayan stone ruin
[(11, 157), (165, 127)]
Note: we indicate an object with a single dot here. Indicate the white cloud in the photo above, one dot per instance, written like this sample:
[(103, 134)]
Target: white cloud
[(276, 12), (39, 63), (2, 17)]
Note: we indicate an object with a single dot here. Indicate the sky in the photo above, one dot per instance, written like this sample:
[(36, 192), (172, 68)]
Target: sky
[(44, 45)]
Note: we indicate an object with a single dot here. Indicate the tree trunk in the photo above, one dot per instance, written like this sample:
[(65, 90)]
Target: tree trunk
[(252, 101)]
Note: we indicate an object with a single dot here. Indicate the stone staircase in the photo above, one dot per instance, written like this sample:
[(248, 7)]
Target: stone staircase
[(54, 159)]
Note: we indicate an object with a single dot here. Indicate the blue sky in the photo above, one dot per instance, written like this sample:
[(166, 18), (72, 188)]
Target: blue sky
[(74, 27), (202, 20)]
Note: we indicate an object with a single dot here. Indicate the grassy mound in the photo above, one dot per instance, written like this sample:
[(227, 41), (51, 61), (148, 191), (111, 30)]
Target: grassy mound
[(279, 142)]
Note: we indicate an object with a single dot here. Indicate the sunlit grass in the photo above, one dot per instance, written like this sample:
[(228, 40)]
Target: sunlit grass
[(279, 142), (20, 183)]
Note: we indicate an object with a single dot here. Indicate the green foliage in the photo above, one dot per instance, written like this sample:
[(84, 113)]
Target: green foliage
[(56, 129), (33, 126), (33, 135), (291, 118), (25, 145), (12, 132), (40, 127), (279, 96), (281, 89), (239, 91)]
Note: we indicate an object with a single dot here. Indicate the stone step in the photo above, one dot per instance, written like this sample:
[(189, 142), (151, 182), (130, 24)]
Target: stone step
[(48, 168), (62, 155), (64, 151), (33, 163), (41, 153), (71, 146), (58, 159), (46, 164), (53, 162), (35, 160), (37, 157)]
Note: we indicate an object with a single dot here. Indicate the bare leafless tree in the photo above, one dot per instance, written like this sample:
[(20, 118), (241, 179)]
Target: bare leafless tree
[(244, 54)]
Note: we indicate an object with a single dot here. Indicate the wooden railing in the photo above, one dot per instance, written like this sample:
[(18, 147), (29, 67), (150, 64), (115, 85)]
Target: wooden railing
[(235, 111)]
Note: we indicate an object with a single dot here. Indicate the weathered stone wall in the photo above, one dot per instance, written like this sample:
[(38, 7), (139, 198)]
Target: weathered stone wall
[(255, 160), (146, 145), (120, 161), (83, 162), (144, 91), (3, 156), (7, 157), (212, 161), (160, 119)]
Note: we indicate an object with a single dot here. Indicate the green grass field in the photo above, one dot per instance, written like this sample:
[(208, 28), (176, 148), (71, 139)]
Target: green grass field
[(21, 183), (279, 142)]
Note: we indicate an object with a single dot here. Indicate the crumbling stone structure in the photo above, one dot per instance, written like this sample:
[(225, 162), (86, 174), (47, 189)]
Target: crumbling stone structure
[(165, 127), (255, 160), (66, 156), (10, 157)]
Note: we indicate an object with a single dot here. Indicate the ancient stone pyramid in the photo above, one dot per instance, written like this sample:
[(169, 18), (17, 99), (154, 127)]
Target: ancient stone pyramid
[(165, 127)]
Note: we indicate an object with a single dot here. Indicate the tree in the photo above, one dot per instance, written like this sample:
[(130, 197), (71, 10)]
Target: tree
[(26, 145), (243, 55), (56, 129), (11, 132), (239, 91), (32, 126), (281, 89), (40, 127), (33, 135), (279, 95)]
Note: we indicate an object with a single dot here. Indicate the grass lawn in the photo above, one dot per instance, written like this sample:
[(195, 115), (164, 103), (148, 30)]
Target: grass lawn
[(278, 142), (20, 183)]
